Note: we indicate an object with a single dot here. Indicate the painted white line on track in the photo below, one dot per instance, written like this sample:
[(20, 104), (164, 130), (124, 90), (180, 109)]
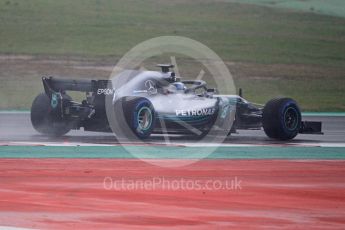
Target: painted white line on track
[(14, 112), (265, 145), (27, 143), (75, 144), (323, 114), (332, 145)]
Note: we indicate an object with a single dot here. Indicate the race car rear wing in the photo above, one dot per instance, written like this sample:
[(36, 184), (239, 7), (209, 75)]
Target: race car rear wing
[(56, 85), (56, 88)]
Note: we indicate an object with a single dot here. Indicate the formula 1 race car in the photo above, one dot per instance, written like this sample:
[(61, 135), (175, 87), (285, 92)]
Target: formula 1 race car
[(159, 102)]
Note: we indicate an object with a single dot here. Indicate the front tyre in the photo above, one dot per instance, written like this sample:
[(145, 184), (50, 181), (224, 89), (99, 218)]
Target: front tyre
[(281, 118), (44, 121)]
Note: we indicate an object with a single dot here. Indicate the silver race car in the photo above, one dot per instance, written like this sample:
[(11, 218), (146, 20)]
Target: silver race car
[(159, 102)]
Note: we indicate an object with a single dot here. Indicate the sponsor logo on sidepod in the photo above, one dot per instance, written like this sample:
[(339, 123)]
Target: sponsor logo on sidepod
[(195, 112), (105, 91)]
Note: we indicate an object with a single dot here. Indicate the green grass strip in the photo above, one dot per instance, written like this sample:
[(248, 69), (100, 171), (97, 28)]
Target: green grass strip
[(119, 152)]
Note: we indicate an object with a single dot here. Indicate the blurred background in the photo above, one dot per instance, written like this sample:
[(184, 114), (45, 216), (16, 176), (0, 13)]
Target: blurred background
[(273, 48)]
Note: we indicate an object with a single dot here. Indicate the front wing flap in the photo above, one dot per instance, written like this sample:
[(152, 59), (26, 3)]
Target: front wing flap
[(311, 127)]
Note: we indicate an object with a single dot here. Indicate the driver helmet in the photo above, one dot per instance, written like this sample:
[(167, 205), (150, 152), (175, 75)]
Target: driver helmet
[(179, 86)]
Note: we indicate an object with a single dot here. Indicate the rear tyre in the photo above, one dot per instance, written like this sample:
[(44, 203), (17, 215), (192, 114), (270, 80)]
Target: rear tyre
[(44, 121), (140, 116), (281, 119)]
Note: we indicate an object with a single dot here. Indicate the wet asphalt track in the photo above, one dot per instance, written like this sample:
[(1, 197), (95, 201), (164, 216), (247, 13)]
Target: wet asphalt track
[(16, 127)]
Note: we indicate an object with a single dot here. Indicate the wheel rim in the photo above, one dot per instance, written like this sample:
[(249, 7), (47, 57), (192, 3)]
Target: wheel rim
[(144, 118), (291, 118)]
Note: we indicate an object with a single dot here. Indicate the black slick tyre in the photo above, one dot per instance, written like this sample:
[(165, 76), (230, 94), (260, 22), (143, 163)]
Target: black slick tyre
[(281, 119), (140, 116), (44, 121)]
